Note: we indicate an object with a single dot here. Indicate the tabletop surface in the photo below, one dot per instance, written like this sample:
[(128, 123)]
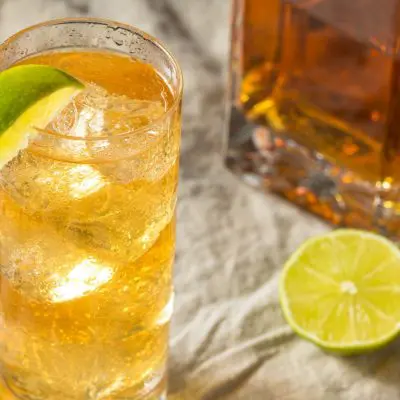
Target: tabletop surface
[(229, 340)]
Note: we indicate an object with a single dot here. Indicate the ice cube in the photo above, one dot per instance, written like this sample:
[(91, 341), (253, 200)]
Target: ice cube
[(136, 143), (43, 264), (88, 207), (44, 185), (85, 277), (95, 112)]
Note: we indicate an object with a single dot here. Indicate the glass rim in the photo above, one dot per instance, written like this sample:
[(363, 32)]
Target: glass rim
[(104, 21)]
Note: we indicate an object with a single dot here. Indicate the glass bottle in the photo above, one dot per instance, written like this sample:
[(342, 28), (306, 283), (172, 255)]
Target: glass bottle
[(315, 106)]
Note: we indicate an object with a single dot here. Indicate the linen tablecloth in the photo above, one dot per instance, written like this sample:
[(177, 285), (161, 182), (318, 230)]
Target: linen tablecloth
[(229, 340)]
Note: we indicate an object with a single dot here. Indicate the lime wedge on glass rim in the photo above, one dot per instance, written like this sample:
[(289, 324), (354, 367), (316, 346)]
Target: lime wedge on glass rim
[(341, 291), (30, 96)]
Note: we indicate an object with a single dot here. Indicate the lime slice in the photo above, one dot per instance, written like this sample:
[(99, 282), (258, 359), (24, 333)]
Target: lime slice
[(342, 291), (30, 96)]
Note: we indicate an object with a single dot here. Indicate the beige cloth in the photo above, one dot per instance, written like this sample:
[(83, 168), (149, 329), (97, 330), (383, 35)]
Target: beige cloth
[(229, 340)]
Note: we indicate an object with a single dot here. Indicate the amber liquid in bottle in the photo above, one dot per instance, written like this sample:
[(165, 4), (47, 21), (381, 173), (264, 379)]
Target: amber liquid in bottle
[(319, 83)]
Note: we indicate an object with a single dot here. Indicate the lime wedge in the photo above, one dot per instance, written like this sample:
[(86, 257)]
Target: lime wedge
[(30, 96), (341, 291)]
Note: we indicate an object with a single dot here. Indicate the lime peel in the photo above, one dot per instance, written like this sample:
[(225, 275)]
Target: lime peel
[(30, 97), (340, 291)]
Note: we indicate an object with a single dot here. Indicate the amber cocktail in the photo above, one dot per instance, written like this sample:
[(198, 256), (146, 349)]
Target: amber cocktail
[(87, 228)]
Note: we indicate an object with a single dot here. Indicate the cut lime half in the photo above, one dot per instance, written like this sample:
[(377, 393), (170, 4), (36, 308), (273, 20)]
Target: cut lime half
[(342, 291), (30, 96)]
